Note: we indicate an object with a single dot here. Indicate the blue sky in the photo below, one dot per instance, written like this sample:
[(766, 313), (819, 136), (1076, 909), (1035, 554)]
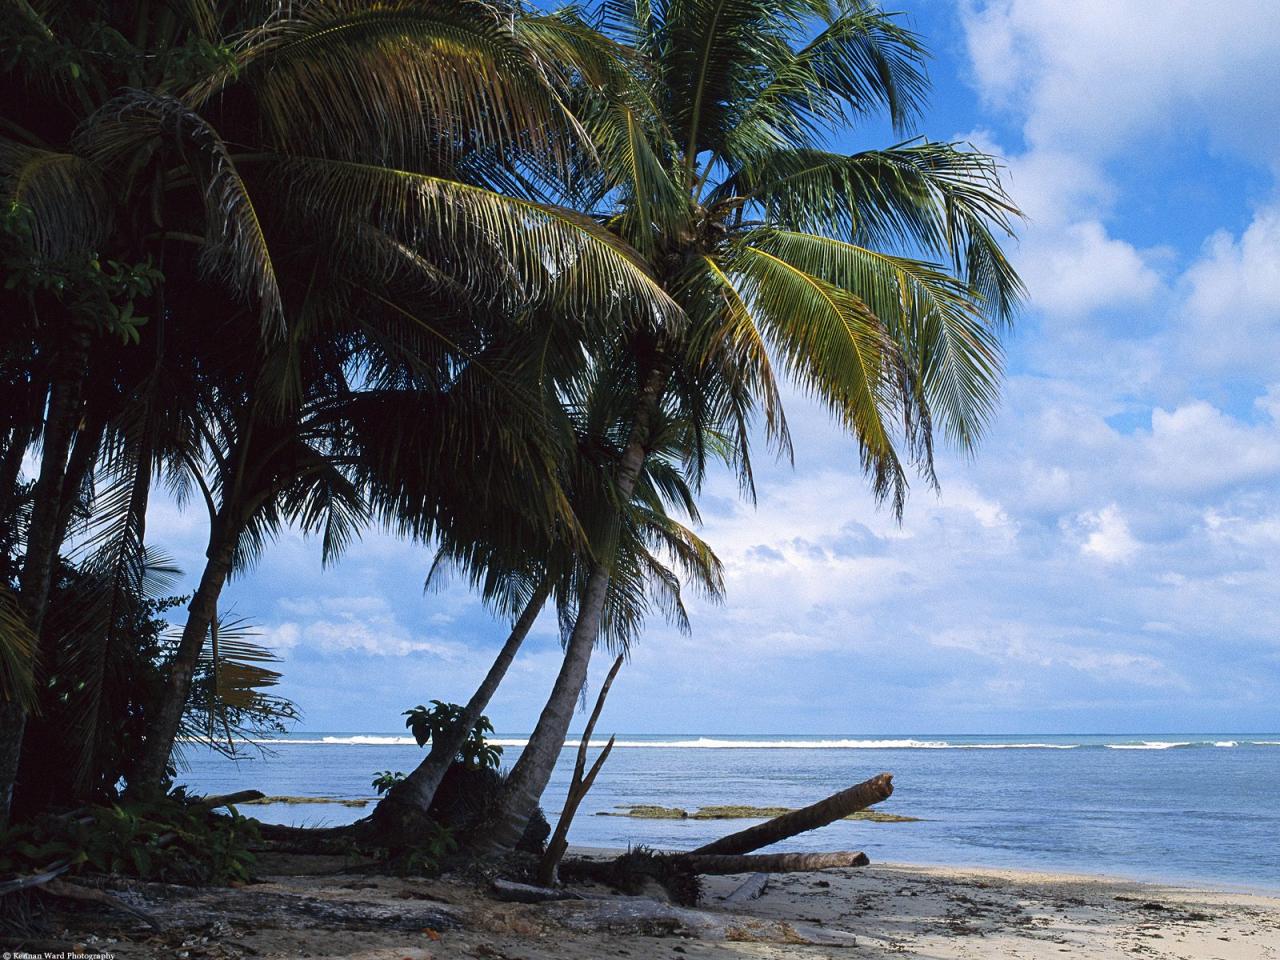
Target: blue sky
[(1110, 559)]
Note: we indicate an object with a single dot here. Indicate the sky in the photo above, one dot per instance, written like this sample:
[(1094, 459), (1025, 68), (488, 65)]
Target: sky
[(1109, 559)]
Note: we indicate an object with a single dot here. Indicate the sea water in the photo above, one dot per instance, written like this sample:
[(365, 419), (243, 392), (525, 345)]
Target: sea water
[(1192, 809)]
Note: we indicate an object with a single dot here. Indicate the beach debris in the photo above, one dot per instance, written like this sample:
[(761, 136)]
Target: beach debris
[(640, 916), (835, 807), (578, 786), (751, 888), (512, 892), (179, 907)]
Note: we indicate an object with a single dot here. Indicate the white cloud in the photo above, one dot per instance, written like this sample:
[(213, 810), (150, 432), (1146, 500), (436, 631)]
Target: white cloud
[(1231, 314), (1198, 447), (1103, 534), (1079, 268), (1099, 75)]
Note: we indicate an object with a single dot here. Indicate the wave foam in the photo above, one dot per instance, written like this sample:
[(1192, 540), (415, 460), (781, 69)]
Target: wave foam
[(717, 743), (1149, 745)]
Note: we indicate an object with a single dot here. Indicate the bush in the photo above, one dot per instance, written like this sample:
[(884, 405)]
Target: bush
[(169, 840)]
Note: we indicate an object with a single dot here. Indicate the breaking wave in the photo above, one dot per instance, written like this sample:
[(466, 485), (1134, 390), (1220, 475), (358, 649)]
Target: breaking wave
[(724, 743)]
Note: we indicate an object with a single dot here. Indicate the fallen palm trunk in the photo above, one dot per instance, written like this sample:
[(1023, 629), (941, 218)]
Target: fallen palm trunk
[(719, 864), (835, 807)]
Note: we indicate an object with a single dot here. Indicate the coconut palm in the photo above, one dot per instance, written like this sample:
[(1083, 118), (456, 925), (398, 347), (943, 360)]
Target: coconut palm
[(517, 562), (873, 280), (151, 142)]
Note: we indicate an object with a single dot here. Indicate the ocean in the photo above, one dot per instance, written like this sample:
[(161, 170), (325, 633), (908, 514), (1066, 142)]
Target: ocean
[(1200, 809)]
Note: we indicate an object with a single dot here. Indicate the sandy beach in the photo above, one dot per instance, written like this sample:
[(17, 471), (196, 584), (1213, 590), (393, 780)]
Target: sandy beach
[(883, 910)]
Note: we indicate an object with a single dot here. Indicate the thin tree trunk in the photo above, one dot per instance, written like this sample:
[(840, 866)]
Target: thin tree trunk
[(578, 787), (42, 542), (417, 790), (162, 726), (833, 808), (529, 776)]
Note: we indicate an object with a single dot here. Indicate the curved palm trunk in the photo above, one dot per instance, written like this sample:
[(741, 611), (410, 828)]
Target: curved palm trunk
[(416, 791), (167, 717), (529, 776), (42, 538)]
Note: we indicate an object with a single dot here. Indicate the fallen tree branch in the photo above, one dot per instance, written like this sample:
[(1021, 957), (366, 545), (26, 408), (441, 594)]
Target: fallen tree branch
[(835, 807), (752, 888), (73, 891), (716, 864), (47, 875)]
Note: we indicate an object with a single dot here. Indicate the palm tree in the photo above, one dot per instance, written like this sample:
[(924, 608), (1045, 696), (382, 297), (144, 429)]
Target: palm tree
[(872, 280), (517, 561), (244, 149)]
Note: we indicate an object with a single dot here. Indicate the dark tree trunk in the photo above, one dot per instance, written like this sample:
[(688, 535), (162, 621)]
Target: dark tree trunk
[(42, 541), (833, 808), (162, 726), (410, 799), (532, 771)]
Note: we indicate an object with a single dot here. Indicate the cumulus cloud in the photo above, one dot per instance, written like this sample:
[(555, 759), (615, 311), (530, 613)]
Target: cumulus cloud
[(1103, 534), (1101, 75)]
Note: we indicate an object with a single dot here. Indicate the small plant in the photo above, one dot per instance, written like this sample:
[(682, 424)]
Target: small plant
[(384, 781), (169, 840), (426, 857), (437, 725)]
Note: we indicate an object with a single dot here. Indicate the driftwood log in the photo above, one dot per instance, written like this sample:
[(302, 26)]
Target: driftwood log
[(752, 888), (833, 808), (511, 892), (723, 863), (638, 916)]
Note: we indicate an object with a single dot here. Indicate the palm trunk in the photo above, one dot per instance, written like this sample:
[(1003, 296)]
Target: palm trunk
[(529, 776), (833, 808), (42, 540), (167, 717), (416, 791)]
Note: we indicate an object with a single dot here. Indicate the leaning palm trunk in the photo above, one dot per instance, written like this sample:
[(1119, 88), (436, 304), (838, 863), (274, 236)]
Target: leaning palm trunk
[(43, 541), (833, 808), (410, 799), (529, 776), (167, 718)]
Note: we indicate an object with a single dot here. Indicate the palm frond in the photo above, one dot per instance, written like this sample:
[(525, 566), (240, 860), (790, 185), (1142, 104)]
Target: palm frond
[(835, 349), (63, 195), (411, 78), (937, 198), (936, 319), (123, 134), (521, 254), (17, 652)]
